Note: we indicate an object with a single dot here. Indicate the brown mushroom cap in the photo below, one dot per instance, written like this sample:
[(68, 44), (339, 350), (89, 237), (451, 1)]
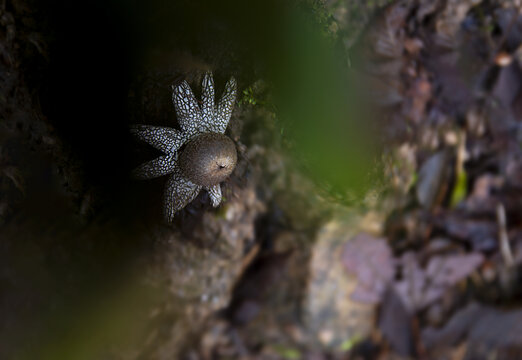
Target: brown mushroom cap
[(208, 159)]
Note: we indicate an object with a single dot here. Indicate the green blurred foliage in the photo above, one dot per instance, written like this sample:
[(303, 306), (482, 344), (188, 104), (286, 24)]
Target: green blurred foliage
[(320, 109), (249, 97), (460, 190), (114, 321), (348, 344), (287, 352)]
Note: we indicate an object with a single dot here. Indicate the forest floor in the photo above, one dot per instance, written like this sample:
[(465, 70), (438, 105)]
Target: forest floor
[(425, 264)]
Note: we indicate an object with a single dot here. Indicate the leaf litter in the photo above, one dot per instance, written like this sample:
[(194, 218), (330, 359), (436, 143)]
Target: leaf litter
[(446, 271)]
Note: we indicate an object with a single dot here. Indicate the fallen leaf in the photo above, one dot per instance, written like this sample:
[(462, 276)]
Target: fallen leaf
[(421, 287), (432, 176), (395, 324), (448, 270), (490, 332)]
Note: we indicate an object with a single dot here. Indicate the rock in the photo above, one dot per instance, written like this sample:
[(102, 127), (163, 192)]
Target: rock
[(331, 316)]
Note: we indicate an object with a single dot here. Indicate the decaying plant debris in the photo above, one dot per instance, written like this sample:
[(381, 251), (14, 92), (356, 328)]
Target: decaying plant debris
[(425, 264)]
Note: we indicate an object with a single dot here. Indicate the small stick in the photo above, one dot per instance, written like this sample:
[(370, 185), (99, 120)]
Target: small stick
[(505, 248)]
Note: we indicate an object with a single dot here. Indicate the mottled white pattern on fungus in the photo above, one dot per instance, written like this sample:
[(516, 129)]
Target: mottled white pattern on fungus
[(208, 156)]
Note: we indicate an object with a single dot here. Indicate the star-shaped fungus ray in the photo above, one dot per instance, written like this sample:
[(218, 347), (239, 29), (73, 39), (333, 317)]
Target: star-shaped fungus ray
[(207, 99), (215, 194), (208, 118), (164, 139), (187, 109), (178, 193), (160, 166), (225, 106)]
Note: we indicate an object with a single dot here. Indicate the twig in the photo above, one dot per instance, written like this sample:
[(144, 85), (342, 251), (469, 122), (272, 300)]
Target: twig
[(505, 248)]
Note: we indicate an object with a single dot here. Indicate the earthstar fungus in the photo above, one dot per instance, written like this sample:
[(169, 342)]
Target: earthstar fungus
[(208, 156)]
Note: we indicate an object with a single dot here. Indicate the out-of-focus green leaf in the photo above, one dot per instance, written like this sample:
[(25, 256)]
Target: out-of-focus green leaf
[(460, 189), (287, 352), (348, 344), (320, 110)]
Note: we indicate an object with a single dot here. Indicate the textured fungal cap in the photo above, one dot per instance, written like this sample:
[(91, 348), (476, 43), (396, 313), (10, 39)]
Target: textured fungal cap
[(208, 159)]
